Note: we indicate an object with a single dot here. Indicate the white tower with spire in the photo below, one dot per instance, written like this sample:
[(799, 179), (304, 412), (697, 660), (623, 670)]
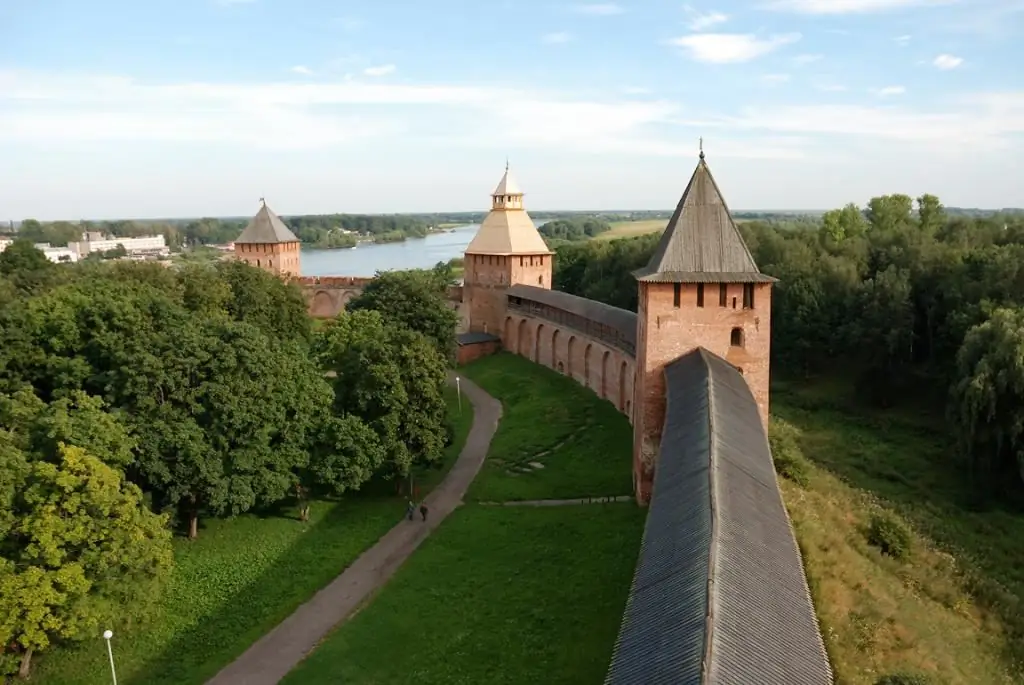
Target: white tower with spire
[(507, 250)]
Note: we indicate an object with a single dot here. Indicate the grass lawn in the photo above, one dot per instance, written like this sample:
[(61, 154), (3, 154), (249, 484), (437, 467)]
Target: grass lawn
[(496, 595), (583, 443), (629, 229), (237, 581), (949, 609)]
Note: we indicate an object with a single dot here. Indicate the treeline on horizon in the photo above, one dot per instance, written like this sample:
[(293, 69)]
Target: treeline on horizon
[(137, 400), (916, 301)]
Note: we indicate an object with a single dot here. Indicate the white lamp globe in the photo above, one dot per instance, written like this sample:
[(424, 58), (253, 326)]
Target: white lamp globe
[(107, 634)]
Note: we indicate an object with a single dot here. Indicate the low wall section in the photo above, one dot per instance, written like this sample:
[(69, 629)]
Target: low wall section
[(591, 342), (327, 296)]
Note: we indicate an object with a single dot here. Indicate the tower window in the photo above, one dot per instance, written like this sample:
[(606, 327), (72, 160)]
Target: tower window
[(677, 289), (736, 337), (723, 295), (748, 295), (700, 294)]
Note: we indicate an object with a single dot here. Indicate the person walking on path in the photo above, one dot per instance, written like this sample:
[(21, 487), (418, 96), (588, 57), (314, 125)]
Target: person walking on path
[(423, 511), (410, 510)]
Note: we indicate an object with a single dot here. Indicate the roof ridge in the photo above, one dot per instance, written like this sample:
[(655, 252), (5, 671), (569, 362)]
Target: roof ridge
[(709, 617)]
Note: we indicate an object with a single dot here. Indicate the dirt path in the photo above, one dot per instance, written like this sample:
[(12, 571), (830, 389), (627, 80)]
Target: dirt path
[(275, 654)]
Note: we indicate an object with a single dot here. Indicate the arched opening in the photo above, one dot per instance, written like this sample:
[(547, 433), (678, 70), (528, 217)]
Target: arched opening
[(622, 386), (536, 344), (270, 263), (736, 337), (555, 364), (569, 353), (257, 262), (522, 345), (604, 374), (586, 365), (560, 367), (510, 343)]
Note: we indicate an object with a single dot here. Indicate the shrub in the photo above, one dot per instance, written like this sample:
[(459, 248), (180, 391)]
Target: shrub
[(890, 535), (790, 462), (903, 679)]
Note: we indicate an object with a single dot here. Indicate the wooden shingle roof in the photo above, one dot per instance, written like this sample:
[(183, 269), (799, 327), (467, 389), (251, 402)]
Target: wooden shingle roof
[(701, 243), (266, 228), (719, 594)]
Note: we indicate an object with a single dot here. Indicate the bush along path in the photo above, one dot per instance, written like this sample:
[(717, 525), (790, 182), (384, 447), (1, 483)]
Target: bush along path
[(275, 654)]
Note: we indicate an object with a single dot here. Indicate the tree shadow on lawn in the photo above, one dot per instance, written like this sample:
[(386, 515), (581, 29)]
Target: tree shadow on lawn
[(316, 558), (910, 465)]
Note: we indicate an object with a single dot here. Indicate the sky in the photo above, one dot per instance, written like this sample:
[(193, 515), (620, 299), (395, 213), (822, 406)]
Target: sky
[(180, 108)]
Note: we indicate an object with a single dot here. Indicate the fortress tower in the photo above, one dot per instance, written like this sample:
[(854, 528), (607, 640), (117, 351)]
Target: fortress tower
[(701, 288), (506, 250), (268, 244)]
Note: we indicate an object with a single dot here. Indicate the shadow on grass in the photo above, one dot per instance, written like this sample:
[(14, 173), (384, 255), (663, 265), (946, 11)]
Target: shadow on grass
[(198, 654), (906, 459)]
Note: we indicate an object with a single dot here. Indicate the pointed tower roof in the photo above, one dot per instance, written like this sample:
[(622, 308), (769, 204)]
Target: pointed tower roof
[(266, 227), (507, 229), (507, 185), (701, 243)]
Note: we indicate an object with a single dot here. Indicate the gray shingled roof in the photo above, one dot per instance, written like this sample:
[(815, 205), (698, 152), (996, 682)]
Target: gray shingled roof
[(266, 227), (621, 320), (719, 594), (701, 243), (474, 338)]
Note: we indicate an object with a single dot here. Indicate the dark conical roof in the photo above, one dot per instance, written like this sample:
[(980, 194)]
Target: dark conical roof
[(701, 243), (266, 227)]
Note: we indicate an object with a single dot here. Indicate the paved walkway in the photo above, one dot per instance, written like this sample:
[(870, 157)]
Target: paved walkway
[(279, 651)]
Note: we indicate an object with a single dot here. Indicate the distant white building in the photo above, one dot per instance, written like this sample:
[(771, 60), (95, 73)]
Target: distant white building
[(57, 255), (4, 242), (93, 241)]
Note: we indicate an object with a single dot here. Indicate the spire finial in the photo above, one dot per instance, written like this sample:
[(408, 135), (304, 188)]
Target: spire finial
[(263, 201), (506, 164), (702, 147)]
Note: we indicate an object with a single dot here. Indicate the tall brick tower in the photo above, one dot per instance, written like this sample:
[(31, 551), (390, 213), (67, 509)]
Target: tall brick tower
[(268, 244), (507, 250), (701, 288)]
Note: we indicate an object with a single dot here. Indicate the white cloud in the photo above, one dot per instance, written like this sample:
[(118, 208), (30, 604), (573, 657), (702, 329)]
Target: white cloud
[(801, 60), (700, 21), (731, 48), (947, 62), (556, 37), (382, 70), (902, 40), (889, 91), (302, 70), (851, 6), (600, 9), (775, 79)]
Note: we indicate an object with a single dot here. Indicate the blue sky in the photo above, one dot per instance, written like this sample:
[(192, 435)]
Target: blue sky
[(110, 108)]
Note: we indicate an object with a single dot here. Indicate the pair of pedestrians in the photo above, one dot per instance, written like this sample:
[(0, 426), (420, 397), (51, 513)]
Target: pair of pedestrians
[(410, 511)]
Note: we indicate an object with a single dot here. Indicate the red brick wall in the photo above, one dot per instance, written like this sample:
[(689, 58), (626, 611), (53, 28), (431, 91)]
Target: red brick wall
[(668, 332), (606, 371), (471, 352), (278, 258), (486, 281)]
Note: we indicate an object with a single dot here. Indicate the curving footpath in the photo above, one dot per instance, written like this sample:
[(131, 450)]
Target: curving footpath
[(275, 654)]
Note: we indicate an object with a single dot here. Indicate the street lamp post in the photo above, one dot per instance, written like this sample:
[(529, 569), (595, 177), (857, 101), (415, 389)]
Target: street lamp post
[(107, 634), (458, 392)]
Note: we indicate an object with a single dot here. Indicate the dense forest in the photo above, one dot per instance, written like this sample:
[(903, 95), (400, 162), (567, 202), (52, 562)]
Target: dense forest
[(914, 300), (137, 399)]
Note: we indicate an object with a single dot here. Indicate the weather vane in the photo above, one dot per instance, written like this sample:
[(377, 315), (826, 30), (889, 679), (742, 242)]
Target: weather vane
[(701, 143)]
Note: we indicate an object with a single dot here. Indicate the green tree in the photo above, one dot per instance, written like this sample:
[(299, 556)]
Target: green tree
[(987, 396), (80, 548), (393, 379), (416, 299), (25, 266)]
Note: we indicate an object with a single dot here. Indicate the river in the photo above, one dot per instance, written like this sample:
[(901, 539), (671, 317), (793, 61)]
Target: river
[(368, 258)]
